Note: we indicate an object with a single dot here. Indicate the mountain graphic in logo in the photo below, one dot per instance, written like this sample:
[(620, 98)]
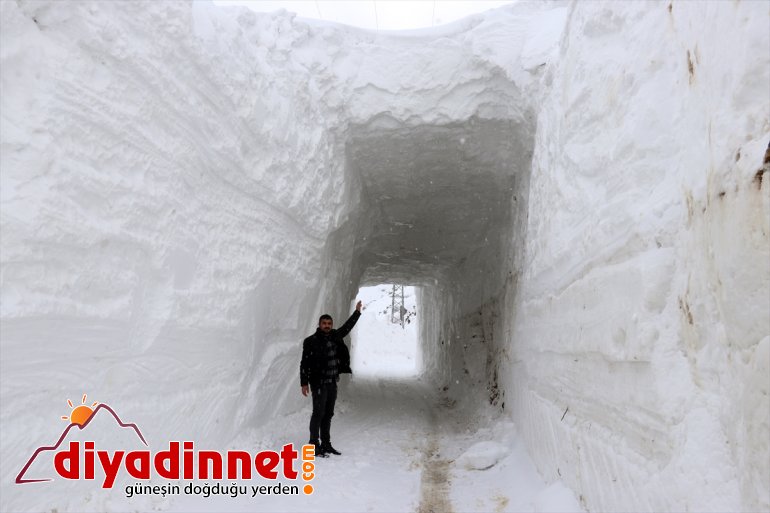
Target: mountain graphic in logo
[(80, 417)]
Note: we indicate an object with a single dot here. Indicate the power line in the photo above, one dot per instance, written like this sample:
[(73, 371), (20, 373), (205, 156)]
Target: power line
[(376, 18), (318, 8), (397, 301)]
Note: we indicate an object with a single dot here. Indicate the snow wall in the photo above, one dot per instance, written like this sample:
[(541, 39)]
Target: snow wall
[(577, 189)]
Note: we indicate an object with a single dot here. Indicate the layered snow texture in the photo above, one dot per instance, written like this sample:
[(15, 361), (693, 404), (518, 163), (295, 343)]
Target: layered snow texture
[(577, 190)]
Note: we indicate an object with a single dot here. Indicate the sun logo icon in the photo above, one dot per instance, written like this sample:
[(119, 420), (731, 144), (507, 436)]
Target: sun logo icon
[(81, 413)]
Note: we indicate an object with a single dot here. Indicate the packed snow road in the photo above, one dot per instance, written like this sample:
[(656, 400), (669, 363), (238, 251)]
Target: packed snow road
[(403, 446)]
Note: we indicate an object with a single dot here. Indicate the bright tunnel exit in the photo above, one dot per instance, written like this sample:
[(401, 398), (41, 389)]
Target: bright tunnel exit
[(385, 343)]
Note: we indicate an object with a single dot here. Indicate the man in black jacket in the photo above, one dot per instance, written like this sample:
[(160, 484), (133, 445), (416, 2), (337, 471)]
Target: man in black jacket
[(324, 357)]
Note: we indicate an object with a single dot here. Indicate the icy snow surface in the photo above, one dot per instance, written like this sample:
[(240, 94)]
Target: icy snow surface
[(576, 192), (482, 455)]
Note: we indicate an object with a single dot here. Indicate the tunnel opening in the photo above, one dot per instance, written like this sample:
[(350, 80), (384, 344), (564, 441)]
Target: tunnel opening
[(443, 207), (385, 345)]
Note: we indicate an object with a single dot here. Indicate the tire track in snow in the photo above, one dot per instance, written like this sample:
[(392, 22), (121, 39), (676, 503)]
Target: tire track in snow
[(435, 481)]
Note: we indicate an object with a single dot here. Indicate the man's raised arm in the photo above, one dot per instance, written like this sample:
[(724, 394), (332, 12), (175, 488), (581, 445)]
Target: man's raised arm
[(345, 328)]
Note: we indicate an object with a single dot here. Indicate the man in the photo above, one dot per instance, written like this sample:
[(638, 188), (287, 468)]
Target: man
[(324, 357)]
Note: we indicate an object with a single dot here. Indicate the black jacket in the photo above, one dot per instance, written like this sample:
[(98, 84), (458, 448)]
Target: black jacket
[(314, 360)]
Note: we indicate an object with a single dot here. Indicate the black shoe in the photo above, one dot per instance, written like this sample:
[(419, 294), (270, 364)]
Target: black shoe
[(328, 449), (319, 450)]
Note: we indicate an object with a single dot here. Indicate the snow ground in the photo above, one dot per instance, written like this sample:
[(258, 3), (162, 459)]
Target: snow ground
[(393, 434)]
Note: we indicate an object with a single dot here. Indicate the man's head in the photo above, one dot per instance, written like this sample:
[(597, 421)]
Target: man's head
[(325, 323)]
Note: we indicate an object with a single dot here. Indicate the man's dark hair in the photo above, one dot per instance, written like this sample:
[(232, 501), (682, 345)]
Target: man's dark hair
[(325, 316)]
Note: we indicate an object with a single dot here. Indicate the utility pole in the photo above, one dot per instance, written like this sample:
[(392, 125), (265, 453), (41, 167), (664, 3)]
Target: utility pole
[(397, 305)]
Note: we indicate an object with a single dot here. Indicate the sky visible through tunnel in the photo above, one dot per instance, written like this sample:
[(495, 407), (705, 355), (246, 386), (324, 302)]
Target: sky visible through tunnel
[(379, 346)]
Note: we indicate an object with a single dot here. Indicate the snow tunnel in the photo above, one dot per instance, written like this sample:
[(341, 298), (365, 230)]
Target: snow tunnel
[(578, 191), (437, 208)]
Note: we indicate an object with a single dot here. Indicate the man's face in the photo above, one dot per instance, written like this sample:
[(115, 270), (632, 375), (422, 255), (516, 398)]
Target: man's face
[(326, 325)]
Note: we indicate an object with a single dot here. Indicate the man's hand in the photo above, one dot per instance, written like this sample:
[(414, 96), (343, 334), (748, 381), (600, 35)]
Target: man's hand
[(304, 390), (358, 306)]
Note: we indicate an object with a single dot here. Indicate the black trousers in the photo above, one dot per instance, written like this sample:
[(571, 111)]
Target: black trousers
[(324, 398)]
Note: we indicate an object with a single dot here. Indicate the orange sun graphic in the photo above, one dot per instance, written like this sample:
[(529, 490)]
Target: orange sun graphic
[(80, 414)]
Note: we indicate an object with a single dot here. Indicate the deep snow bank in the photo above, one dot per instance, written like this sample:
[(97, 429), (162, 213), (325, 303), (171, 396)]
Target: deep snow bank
[(186, 188), (643, 306)]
